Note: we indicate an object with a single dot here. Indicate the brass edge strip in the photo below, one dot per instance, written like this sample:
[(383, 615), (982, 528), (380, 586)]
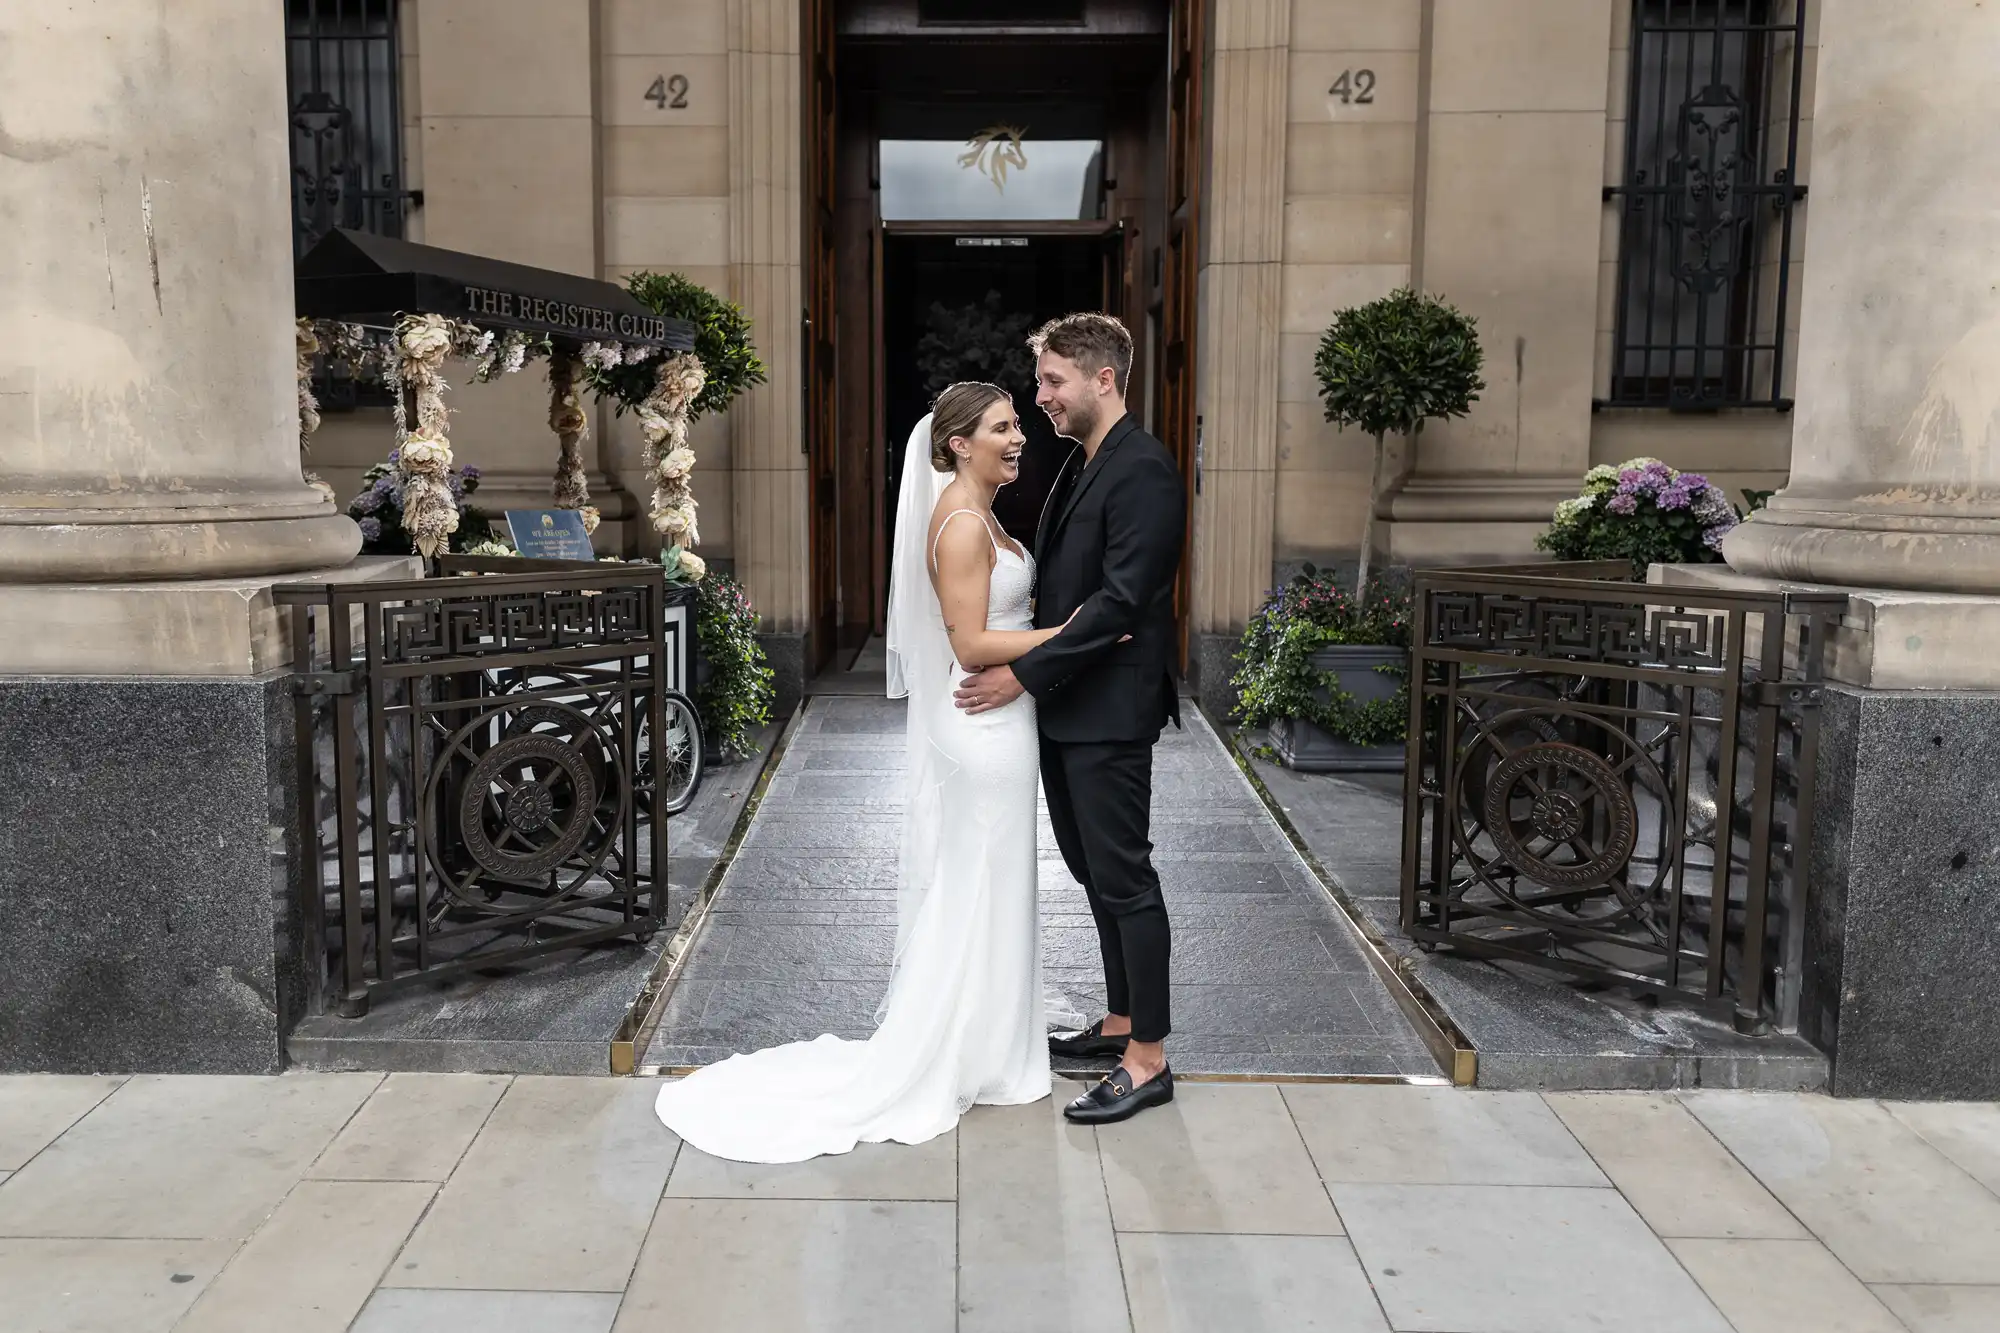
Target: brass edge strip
[(1453, 1051), (1090, 1076), (636, 1029)]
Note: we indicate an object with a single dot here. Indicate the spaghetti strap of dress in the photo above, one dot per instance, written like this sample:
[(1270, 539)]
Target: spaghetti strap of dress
[(947, 519)]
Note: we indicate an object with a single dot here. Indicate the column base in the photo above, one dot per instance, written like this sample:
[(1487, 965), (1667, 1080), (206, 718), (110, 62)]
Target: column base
[(1889, 639), (206, 627), (126, 550), (1942, 555)]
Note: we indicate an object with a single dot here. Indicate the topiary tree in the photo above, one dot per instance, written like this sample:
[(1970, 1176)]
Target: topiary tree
[(1390, 366), (721, 341)]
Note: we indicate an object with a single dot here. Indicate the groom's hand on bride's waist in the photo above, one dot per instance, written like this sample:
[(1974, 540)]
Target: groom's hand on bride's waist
[(985, 690)]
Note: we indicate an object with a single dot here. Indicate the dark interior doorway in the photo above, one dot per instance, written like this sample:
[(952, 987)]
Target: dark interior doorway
[(960, 306), (972, 174)]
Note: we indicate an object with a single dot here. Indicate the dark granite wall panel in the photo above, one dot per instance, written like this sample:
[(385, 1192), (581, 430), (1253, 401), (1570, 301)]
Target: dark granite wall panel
[(144, 830), (1903, 943)]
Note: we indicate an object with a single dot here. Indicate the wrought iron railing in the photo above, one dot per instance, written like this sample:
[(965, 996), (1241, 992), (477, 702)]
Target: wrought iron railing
[(1706, 203), (1615, 779), (475, 760)]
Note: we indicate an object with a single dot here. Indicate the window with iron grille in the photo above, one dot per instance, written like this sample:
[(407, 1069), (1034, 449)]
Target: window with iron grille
[(342, 76), (1706, 207)]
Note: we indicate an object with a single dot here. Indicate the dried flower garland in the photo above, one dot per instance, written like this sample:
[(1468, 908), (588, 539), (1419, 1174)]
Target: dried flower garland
[(572, 426), (306, 347), (424, 455), (663, 422)]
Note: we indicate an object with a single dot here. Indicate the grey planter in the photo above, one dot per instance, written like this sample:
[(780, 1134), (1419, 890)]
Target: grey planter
[(1305, 746)]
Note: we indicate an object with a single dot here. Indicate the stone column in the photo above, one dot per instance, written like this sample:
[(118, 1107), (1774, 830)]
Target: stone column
[(1511, 181), (1236, 357), (148, 416), (1896, 449), (766, 426), (150, 495), (1895, 495)]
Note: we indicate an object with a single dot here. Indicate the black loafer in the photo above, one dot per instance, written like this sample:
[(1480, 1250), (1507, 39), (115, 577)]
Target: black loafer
[(1114, 1098), (1089, 1044)]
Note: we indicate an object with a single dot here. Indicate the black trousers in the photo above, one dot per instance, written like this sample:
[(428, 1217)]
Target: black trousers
[(1100, 800)]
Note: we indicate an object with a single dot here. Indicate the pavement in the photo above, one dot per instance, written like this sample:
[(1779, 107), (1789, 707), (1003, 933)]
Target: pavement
[(1269, 977), (543, 1204)]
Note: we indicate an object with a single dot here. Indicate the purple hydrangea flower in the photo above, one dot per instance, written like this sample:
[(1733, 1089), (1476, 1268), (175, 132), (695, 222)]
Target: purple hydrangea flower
[(470, 473), (1712, 539), (1674, 496), (1630, 480), (1622, 503), (368, 501), (1694, 481), (371, 529), (385, 483), (456, 486), (395, 457)]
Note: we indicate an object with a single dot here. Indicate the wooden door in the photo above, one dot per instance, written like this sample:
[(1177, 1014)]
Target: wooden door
[(820, 383), (1180, 269)]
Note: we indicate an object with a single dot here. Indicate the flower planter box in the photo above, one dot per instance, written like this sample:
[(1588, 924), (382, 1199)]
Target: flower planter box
[(1308, 748)]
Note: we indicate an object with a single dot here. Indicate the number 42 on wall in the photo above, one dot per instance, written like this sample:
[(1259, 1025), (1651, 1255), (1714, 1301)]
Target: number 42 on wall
[(1355, 86), (669, 92)]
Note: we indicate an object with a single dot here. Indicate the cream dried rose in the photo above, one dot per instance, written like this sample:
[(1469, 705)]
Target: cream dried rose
[(693, 567), (677, 464), (424, 336)]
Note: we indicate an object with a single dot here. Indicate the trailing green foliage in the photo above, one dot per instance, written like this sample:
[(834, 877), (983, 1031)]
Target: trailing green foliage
[(721, 340), (1278, 678), (737, 696)]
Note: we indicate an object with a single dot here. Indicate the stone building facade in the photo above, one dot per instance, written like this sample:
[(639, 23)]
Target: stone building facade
[(1472, 148)]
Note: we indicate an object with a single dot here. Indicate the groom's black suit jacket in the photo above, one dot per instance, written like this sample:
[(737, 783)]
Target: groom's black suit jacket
[(1107, 550)]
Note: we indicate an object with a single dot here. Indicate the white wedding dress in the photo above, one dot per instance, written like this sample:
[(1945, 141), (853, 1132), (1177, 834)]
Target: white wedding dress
[(965, 1019)]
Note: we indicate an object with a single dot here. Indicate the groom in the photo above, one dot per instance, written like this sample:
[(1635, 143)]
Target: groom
[(1106, 553)]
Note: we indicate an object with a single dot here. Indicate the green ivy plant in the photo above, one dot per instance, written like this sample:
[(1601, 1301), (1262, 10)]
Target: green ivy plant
[(736, 698), (721, 340), (1278, 678), (1389, 366)]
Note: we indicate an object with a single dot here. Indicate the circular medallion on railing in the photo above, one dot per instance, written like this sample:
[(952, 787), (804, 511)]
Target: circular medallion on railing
[(1561, 815), (526, 805)]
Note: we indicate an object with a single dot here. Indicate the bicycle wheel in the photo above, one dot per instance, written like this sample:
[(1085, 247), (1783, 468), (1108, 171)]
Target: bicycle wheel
[(680, 754)]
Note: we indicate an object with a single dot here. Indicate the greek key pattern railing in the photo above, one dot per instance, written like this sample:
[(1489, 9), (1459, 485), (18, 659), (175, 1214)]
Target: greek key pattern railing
[(481, 753), (1615, 780)]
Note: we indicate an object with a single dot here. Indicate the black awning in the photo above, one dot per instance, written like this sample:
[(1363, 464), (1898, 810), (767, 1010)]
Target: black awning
[(367, 279)]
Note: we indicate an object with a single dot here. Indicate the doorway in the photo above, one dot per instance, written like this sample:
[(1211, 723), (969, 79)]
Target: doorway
[(958, 306), (966, 184)]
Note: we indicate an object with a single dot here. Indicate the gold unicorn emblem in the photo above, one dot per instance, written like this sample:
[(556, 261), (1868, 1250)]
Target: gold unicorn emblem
[(992, 151)]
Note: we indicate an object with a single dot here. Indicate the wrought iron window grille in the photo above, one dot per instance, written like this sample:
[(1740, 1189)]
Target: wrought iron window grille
[(1707, 204), (343, 65)]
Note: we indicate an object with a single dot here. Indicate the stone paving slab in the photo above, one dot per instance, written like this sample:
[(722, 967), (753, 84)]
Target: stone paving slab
[(1268, 976), (1532, 1028), (555, 1014), (1250, 1207)]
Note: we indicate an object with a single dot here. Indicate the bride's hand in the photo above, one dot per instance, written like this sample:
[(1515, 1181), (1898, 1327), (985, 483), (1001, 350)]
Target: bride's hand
[(1123, 638)]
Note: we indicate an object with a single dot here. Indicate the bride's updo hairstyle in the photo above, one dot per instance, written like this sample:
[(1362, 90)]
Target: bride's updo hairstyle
[(957, 412)]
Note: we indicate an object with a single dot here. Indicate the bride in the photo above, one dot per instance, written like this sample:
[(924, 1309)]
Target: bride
[(964, 1019)]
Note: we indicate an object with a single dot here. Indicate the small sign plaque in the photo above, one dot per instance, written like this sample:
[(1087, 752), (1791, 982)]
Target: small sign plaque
[(550, 534)]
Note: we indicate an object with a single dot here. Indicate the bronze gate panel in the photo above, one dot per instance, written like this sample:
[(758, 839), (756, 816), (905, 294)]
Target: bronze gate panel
[(475, 760), (1615, 779)]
